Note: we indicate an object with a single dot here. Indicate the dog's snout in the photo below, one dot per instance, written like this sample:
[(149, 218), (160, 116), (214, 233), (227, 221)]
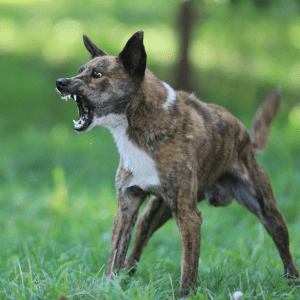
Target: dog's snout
[(61, 82)]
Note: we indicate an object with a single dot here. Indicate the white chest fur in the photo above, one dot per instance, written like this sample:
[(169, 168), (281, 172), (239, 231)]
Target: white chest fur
[(171, 96), (135, 160)]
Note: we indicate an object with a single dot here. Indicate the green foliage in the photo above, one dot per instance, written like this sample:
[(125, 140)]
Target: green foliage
[(57, 198)]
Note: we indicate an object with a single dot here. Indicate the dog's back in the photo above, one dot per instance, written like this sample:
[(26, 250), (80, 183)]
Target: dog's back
[(217, 136)]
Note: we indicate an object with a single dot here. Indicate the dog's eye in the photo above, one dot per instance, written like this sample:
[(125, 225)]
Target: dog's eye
[(96, 74)]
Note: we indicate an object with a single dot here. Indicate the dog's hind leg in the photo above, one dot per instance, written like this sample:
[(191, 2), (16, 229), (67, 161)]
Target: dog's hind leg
[(183, 203), (253, 190), (189, 220), (129, 202), (156, 213)]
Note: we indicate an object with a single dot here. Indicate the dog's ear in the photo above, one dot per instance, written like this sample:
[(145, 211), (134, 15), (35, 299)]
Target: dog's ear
[(133, 56), (92, 48)]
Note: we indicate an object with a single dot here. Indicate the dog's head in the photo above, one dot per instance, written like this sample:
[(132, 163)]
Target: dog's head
[(106, 83)]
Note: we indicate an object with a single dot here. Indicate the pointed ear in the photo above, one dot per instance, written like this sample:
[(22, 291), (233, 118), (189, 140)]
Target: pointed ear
[(134, 56), (92, 48)]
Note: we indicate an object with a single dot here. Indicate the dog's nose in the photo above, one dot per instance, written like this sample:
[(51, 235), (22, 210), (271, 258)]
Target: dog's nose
[(61, 82)]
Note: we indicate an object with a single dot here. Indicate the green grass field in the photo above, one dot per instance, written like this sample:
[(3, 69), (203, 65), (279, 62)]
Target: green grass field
[(56, 211)]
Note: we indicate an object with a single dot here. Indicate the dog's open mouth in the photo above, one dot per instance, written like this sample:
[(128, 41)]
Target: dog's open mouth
[(84, 111)]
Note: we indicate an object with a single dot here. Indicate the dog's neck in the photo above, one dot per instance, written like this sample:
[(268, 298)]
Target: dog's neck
[(151, 113), (149, 121)]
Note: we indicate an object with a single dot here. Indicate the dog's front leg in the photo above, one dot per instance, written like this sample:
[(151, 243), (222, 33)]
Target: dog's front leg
[(156, 213), (189, 220), (129, 202)]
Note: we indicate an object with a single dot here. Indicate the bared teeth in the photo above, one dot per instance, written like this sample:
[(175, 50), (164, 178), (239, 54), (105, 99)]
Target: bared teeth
[(83, 110), (79, 123), (66, 97)]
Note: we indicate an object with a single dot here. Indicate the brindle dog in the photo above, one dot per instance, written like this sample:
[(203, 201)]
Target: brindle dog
[(177, 148)]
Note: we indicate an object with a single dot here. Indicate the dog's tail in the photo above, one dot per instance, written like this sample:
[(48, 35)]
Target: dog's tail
[(260, 127)]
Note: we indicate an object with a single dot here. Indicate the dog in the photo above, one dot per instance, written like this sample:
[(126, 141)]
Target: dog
[(176, 148)]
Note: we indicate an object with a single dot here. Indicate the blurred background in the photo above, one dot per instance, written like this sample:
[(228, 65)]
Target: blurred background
[(56, 183)]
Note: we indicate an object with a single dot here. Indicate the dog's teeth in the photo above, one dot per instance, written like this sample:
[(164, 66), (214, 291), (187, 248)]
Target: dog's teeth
[(75, 97), (77, 124)]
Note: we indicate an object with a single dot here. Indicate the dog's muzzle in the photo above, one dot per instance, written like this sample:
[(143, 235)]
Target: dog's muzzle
[(61, 83), (84, 108)]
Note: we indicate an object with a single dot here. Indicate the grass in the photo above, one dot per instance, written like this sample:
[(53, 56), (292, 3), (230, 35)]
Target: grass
[(56, 211)]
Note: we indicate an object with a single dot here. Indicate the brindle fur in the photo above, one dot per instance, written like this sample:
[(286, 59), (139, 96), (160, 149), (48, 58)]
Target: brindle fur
[(200, 152)]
